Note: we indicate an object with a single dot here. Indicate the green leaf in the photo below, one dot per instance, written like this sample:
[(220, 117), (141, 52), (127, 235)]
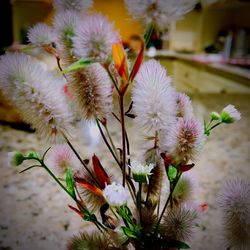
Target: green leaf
[(129, 232), (178, 244), (70, 183), (80, 64), (172, 173), (148, 34)]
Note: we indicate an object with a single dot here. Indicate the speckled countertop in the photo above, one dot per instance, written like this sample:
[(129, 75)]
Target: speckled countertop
[(33, 210)]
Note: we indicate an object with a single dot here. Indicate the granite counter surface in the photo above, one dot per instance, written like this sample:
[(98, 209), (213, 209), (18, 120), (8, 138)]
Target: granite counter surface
[(34, 212)]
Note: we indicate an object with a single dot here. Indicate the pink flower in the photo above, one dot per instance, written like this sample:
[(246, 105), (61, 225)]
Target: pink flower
[(183, 141), (184, 106), (234, 201)]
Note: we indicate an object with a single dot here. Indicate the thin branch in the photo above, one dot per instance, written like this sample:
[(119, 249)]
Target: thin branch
[(80, 159), (107, 143), (26, 169)]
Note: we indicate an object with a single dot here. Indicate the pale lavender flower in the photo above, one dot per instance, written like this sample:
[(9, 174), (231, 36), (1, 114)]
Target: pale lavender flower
[(230, 114), (153, 97), (179, 223), (36, 93), (77, 5), (94, 38), (184, 106), (60, 158), (160, 13), (234, 202), (183, 141), (41, 34), (115, 194), (92, 87)]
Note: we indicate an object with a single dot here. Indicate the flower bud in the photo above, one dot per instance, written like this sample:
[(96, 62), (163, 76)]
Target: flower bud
[(15, 158), (215, 116)]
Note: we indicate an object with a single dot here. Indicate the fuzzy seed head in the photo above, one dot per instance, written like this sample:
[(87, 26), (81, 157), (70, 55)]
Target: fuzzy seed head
[(94, 38), (234, 201), (179, 223), (184, 106), (92, 87), (41, 34), (160, 13), (60, 158), (153, 97), (92, 241), (36, 94), (183, 141), (183, 191), (76, 5)]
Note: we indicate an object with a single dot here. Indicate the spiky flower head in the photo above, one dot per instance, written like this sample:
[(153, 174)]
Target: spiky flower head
[(115, 194), (153, 97), (36, 94), (183, 141), (183, 191), (234, 201), (159, 13), (65, 25), (94, 38), (41, 34), (60, 158), (92, 87), (178, 223), (184, 106), (141, 172), (77, 5), (15, 158), (230, 114), (89, 241)]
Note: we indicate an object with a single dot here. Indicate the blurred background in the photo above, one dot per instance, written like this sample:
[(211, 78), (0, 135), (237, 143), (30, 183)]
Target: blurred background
[(207, 54)]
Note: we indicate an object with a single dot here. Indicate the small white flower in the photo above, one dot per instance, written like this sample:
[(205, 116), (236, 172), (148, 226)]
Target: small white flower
[(141, 172), (115, 194), (230, 114)]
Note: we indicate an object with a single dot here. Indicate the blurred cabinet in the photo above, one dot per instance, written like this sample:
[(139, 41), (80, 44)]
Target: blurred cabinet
[(193, 77)]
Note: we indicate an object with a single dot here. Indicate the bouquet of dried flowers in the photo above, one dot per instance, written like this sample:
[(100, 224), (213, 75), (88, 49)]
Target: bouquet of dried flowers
[(128, 211)]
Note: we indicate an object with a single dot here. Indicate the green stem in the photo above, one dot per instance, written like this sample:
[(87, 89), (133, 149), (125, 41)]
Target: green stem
[(113, 80), (167, 202), (111, 141), (214, 126), (80, 159), (121, 99), (107, 143), (139, 201)]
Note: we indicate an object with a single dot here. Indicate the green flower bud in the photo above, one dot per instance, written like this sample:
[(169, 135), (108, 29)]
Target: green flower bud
[(215, 116), (15, 158)]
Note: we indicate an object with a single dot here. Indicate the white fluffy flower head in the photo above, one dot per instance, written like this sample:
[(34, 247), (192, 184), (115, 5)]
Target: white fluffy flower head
[(77, 5), (94, 38), (36, 93), (41, 34), (141, 172), (160, 13), (230, 114), (153, 97), (184, 106), (115, 194)]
